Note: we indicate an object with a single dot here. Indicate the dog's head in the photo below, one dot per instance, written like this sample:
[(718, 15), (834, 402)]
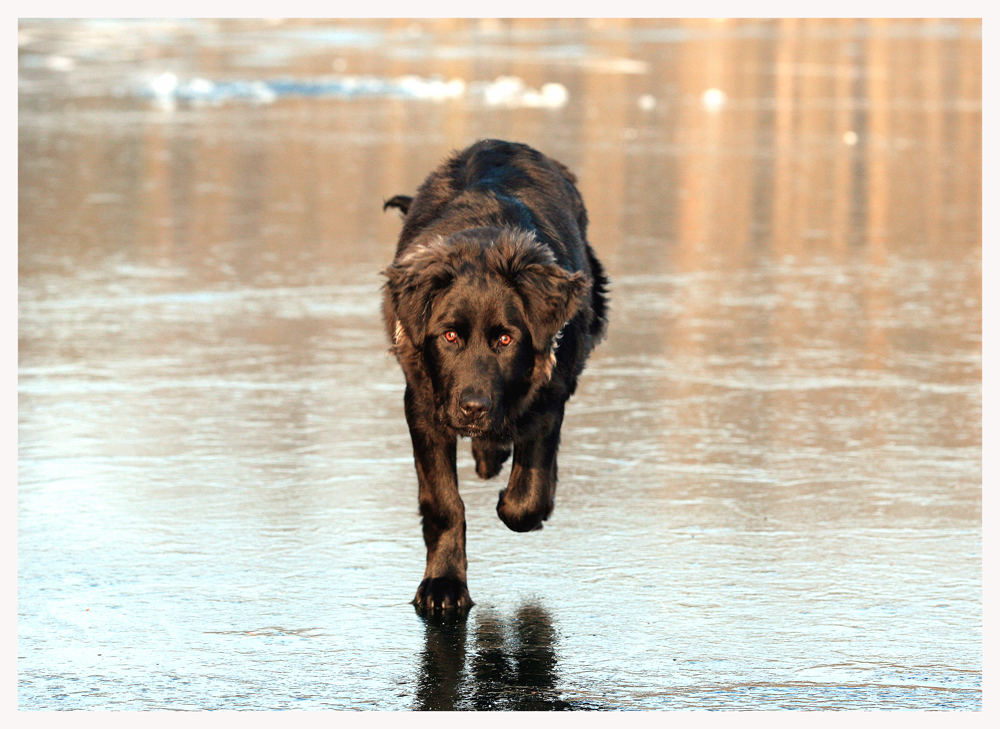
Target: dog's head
[(481, 309)]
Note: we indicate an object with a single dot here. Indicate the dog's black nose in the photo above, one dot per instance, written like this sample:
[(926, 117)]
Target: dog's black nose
[(475, 406)]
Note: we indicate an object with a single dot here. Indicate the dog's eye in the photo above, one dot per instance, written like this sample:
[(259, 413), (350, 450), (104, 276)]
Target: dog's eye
[(504, 340), (451, 337)]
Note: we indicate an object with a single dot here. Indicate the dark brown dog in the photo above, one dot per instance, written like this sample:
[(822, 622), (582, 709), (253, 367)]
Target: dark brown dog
[(493, 303)]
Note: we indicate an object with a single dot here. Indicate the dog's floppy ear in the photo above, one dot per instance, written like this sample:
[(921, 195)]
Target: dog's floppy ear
[(551, 294), (413, 281)]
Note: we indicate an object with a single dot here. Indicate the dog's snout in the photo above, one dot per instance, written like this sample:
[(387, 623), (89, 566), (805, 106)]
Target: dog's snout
[(475, 407)]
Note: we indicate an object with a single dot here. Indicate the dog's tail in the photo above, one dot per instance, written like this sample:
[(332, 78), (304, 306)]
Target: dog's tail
[(400, 202)]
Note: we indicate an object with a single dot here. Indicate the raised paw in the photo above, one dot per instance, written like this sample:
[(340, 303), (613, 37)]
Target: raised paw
[(490, 458), (522, 515), (437, 594)]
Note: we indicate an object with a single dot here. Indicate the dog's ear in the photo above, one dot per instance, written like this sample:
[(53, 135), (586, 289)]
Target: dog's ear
[(413, 282), (551, 294)]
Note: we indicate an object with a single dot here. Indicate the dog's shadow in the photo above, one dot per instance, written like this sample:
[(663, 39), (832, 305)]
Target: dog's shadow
[(509, 664)]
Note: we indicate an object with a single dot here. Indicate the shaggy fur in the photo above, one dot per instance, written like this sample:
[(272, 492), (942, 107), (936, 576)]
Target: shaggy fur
[(492, 304)]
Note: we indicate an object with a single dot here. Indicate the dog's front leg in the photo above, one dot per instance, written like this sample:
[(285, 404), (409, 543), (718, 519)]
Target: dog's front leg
[(531, 491), (441, 510)]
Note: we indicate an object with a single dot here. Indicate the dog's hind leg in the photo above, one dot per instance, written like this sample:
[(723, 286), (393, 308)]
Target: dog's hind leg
[(531, 491), (442, 513), (489, 456)]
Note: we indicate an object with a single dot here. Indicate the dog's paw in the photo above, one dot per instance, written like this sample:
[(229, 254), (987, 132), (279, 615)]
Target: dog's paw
[(437, 594), (489, 458), (525, 515)]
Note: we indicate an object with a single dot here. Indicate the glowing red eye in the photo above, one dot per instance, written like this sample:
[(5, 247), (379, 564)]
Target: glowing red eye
[(451, 337), (505, 340)]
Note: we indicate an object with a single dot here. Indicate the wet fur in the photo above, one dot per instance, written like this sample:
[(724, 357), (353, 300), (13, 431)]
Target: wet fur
[(493, 243)]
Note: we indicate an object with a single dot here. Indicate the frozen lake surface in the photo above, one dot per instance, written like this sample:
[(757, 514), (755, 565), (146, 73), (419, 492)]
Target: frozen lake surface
[(770, 478)]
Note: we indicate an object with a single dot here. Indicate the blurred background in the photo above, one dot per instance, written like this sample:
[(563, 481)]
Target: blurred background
[(770, 477)]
